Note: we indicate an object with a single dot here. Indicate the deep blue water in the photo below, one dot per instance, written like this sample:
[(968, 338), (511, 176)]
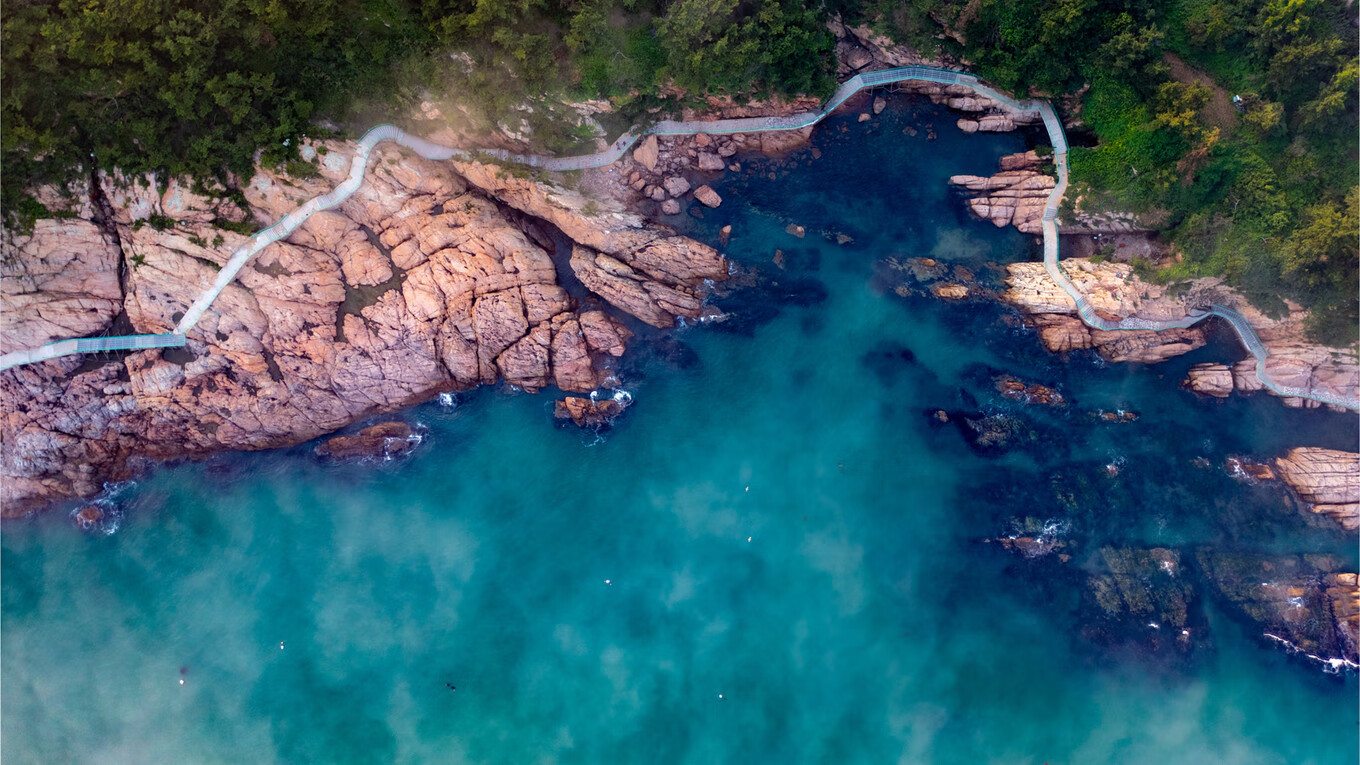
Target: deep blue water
[(775, 556)]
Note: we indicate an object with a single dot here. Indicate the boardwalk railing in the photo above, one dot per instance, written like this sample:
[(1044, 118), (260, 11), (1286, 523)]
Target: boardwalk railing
[(867, 80)]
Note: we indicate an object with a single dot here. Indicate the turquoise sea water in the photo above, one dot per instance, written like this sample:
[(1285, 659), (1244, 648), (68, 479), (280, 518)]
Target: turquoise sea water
[(773, 557)]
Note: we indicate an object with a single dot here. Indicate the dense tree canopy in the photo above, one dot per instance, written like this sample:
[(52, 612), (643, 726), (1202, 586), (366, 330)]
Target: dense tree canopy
[(1261, 191), (187, 87)]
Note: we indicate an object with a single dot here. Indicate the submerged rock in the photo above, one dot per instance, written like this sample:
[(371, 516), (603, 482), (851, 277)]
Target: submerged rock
[(995, 433), (1143, 596), (587, 413), (1017, 390), (927, 276), (382, 441), (1308, 602), (949, 291)]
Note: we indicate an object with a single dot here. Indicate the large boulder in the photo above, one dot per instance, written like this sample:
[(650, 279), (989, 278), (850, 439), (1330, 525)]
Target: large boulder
[(711, 162), (1210, 380), (707, 196), (675, 185), (647, 153)]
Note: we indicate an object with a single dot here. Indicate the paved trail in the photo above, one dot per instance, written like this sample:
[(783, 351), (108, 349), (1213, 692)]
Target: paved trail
[(850, 87)]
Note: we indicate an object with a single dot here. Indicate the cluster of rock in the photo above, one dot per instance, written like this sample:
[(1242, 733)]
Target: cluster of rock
[(1016, 196), (1152, 596), (930, 277), (659, 165), (1290, 364), (588, 412), (432, 277), (1115, 292), (1309, 602), (1028, 393)]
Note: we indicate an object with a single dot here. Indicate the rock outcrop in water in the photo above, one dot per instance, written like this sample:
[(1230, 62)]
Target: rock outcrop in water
[(382, 441), (432, 277), (588, 413), (1210, 380), (1308, 602), (1143, 593), (1016, 196), (1327, 480), (1116, 292)]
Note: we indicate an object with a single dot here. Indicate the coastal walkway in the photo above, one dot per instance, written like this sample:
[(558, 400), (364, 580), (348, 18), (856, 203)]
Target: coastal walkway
[(864, 81)]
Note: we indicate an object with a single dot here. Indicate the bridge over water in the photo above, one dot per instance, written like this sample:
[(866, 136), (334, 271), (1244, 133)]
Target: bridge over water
[(865, 81)]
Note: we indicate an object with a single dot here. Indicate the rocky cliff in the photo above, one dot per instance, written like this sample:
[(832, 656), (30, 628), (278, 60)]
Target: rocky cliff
[(432, 277)]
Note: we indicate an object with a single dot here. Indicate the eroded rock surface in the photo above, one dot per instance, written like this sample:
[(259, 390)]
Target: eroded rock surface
[(1306, 601), (1016, 196), (1115, 292), (62, 280), (432, 277), (1327, 479), (382, 441)]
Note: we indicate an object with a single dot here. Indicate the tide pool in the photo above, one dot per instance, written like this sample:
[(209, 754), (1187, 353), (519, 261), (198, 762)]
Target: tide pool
[(774, 556)]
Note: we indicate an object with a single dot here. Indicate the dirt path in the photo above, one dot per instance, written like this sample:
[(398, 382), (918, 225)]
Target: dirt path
[(1219, 112)]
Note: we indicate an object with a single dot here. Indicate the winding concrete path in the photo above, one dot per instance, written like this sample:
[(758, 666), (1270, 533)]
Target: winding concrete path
[(868, 80)]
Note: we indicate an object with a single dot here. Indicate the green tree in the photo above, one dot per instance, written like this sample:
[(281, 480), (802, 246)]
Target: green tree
[(1177, 108), (1324, 248)]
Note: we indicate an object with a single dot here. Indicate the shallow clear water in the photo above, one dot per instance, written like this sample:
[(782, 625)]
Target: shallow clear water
[(773, 557)]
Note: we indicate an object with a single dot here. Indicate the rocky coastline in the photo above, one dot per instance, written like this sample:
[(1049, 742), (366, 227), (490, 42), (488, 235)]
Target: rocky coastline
[(439, 277), (434, 277)]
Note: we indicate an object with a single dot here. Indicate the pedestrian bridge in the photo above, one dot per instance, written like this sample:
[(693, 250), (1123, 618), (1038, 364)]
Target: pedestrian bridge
[(864, 81)]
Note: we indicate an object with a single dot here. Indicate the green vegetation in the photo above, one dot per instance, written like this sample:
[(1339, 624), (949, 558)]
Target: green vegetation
[(1263, 191), (194, 89), (187, 88)]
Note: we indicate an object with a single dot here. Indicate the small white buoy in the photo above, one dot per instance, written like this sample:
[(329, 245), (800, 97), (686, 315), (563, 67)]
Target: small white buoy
[(611, 584), (719, 695), (748, 539), (181, 681), (748, 488)]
